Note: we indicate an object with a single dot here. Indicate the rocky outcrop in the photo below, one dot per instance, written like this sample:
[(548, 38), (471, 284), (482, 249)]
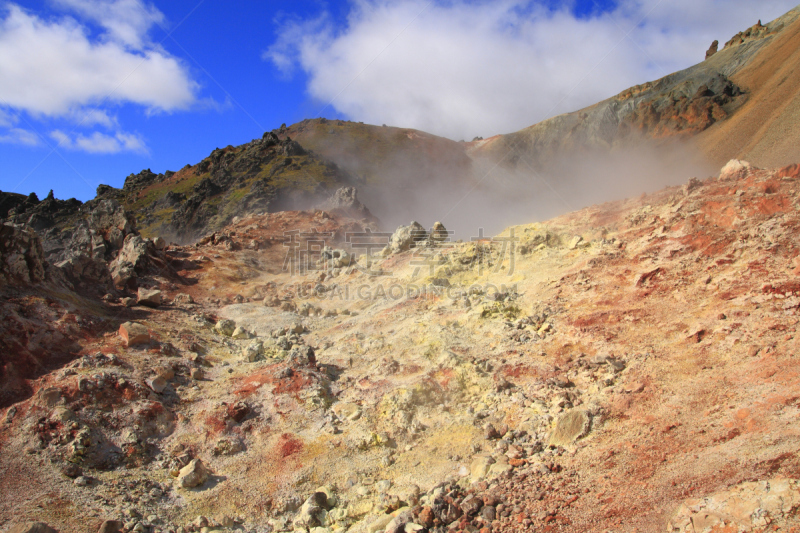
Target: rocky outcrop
[(754, 32), (265, 175), (713, 49), (21, 256), (345, 202), (407, 237)]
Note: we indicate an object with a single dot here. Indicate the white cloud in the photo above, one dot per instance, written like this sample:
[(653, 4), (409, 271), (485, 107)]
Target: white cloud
[(53, 68), (126, 21), (93, 117), (100, 143), (19, 136), (462, 68), (7, 119)]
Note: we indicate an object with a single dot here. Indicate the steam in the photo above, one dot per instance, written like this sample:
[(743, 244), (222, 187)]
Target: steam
[(491, 197)]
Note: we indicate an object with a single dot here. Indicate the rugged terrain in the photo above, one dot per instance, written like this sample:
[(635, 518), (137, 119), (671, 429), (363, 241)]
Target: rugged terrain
[(237, 346), (626, 367)]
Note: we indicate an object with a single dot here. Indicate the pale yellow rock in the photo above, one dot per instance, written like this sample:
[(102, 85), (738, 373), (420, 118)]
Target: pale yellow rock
[(570, 427)]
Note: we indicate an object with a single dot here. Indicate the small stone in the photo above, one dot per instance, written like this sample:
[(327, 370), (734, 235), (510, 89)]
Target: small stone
[(183, 299), (225, 327), (197, 374), (81, 481), (134, 333), (157, 383), (426, 517), (490, 432), (480, 466), (149, 298), (72, 471), (488, 513), (254, 351), (471, 505), (111, 526), (193, 475), (241, 334), (128, 302)]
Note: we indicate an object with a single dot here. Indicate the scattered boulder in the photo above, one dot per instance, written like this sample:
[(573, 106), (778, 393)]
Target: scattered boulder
[(227, 446), (225, 327), (439, 233), (407, 237), (254, 351), (157, 384), (183, 299), (193, 475), (134, 333), (312, 513), (111, 526), (570, 427), (335, 258), (734, 170), (241, 334), (133, 259), (122, 274), (149, 297), (302, 356)]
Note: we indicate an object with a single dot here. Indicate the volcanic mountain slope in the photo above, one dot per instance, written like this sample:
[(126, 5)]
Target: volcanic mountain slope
[(289, 168), (265, 175), (741, 102), (626, 367)]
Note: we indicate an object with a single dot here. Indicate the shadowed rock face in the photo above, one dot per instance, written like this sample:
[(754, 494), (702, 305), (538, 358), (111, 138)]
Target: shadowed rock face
[(21, 256)]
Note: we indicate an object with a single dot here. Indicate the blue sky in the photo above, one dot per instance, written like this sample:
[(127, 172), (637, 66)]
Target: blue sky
[(93, 90)]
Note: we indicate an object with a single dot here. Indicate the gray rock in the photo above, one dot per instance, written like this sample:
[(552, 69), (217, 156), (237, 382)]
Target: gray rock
[(407, 237), (254, 351), (439, 233), (149, 297), (21, 255), (345, 201), (241, 334), (183, 299), (225, 327)]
